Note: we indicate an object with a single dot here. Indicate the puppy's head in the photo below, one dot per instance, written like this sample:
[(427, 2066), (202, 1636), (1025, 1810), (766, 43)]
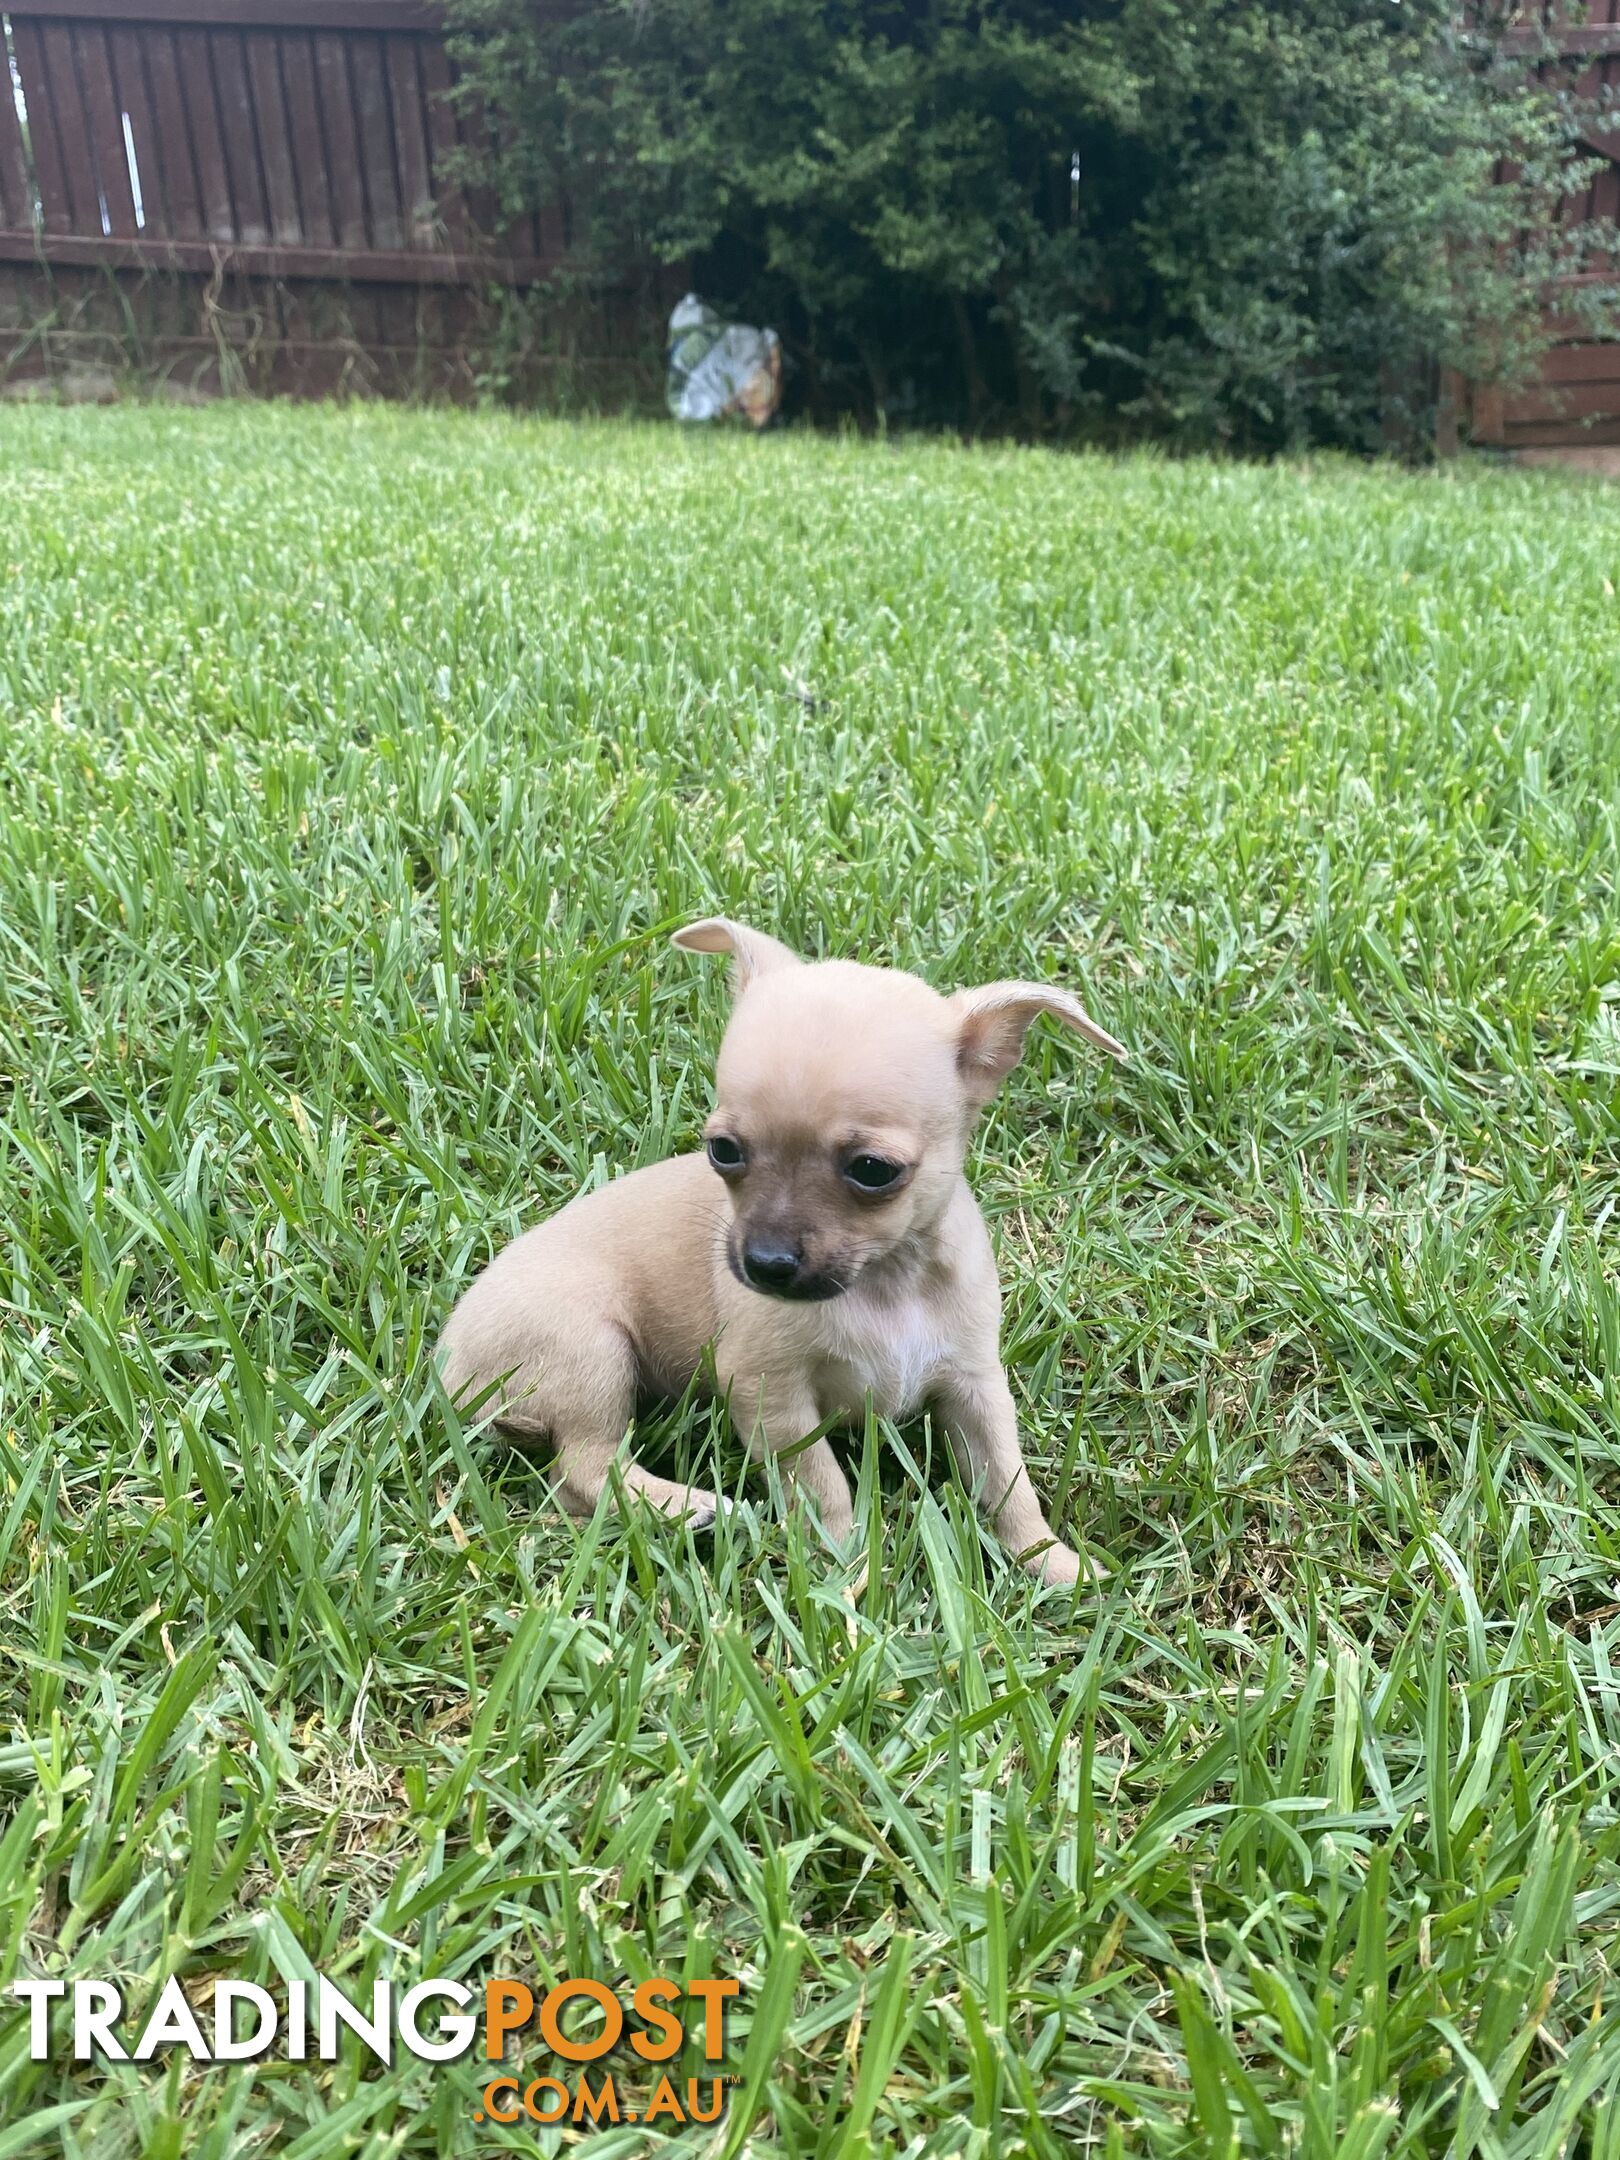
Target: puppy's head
[(844, 1098)]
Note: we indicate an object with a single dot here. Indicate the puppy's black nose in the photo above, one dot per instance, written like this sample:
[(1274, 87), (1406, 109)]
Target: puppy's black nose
[(771, 1265)]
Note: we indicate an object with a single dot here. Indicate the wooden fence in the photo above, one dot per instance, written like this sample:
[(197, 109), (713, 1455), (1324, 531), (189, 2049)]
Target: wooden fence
[(261, 191), (1575, 400)]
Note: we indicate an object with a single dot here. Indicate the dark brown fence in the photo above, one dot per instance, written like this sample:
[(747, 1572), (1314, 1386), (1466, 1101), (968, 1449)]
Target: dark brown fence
[(260, 191), (1575, 400)]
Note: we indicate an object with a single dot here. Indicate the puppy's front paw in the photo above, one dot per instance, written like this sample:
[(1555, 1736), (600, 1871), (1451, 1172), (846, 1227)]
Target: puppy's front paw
[(1057, 1566)]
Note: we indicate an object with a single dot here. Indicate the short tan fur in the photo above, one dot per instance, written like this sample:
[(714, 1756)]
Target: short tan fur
[(826, 1245)]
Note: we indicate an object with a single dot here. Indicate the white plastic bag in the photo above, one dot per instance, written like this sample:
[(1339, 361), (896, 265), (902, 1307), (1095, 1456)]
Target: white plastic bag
[(720, 370)]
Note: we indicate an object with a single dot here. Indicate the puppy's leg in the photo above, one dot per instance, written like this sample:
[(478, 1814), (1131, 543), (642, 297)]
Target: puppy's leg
[(694, 1503), (579, 1391), (978, 1414), (772, 1419)]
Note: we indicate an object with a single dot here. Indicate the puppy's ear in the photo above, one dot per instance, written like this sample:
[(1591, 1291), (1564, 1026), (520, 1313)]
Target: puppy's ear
[(996, 1017), (752, 952)]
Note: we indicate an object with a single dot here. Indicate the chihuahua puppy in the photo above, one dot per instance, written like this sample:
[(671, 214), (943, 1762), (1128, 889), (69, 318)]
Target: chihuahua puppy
[(825, 1243)]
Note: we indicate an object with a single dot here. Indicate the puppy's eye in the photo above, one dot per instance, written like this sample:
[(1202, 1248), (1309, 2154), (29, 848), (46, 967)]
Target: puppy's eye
[(726, 1153), (873, 1173)]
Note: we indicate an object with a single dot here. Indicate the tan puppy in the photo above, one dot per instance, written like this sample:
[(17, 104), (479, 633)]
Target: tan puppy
[(826, 1244)]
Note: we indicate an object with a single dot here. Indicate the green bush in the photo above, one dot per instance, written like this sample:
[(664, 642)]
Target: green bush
[(1255, 223)]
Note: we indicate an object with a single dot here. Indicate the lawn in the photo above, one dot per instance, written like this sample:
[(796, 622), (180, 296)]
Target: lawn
[(354, 766)]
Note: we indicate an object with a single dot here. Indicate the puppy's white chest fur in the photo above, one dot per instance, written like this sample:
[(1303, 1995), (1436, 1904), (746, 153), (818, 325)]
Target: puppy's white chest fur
[(890, 1347)]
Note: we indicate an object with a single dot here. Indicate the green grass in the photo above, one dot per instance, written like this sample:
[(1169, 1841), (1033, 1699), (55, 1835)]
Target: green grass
[(353, 768)]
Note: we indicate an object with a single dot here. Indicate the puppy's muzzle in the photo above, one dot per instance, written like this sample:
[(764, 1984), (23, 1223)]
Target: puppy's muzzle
[(776, 1267)]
